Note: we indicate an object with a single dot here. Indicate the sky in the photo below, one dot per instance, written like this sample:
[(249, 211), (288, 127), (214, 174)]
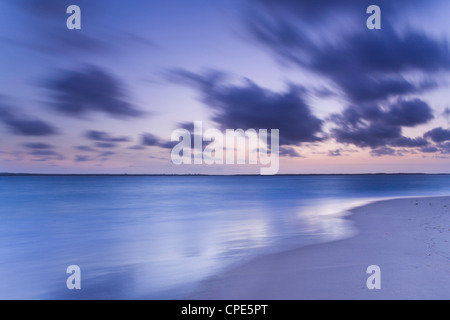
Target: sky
[(107, 97)]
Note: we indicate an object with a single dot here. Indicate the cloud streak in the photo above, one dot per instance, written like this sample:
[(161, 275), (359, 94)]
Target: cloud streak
[(24, 125), (247, 105), (90, 90), (372, 126)]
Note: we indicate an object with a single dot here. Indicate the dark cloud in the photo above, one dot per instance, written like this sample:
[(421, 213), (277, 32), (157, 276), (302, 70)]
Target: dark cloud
[(403, 113), (365, 65), (85, 148), (107, 154), (29, 127), (171, 144), (445, 148), (37, 145), (78, 93), (429, 149), (376, 135), (24, 125), (48, 154), (248, 106), (439, 148), (101, 154), (334, 153), (104, 136), (106, 145), (409, 113), (446, 113), (371, 69), (373, 135), (438, 135), (289, 152), (408, 142), (372, 126), (82, 158), (148, 139), (384, 151), (137, 147)]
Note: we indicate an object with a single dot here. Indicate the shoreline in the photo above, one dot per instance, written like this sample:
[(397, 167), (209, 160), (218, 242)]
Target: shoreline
[(408, 238)]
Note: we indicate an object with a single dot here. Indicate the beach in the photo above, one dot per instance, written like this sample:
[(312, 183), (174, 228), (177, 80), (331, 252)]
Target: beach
[(407, 238)]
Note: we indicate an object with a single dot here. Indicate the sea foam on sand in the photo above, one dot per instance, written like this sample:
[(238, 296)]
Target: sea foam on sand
[(409, 239)]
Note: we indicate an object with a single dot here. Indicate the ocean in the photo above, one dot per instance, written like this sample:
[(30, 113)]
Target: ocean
[(158, 237)]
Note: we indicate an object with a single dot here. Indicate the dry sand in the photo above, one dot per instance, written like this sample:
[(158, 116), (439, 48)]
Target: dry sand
[(409, 239)]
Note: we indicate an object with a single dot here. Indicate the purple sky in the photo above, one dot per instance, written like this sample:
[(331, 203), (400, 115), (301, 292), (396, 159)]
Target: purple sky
[(106, 98)]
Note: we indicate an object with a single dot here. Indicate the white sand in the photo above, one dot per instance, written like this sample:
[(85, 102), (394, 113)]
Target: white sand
[(408, 241)]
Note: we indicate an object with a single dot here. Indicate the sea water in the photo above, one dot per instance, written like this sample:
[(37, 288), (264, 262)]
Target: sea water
[(157, 237)]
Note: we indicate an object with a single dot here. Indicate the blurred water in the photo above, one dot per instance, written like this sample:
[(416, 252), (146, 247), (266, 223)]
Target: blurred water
[(156, 236)]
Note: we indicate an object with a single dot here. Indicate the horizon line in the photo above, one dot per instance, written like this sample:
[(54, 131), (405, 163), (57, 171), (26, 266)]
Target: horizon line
[(212, 175)]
